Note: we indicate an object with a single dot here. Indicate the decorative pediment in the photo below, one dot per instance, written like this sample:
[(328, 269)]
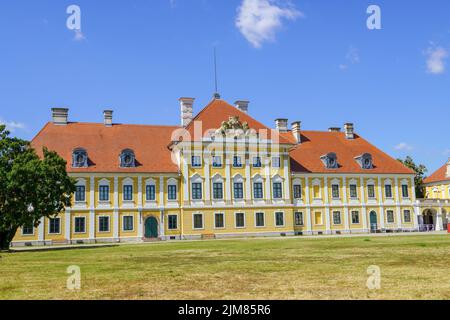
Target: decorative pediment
[(233, 128)]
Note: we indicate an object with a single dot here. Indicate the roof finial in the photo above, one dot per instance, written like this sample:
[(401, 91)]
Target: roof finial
[(216, 93)]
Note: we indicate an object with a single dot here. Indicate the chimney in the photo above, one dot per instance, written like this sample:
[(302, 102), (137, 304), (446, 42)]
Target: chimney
[(108, 118), (281, 125), (349, 133), (187, 110), (60, 116), (296, 131), (448, 168), (334, 129), (242, 105)]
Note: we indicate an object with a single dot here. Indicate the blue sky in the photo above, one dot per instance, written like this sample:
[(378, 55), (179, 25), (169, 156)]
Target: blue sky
[(314, 61)]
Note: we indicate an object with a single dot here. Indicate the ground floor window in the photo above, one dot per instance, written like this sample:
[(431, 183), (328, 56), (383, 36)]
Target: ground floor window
[(198, 221), (407, 216), (279, 219), (103, 224), (260, 219), (240, 220), (318, 218), (54, 226), (337, 217), (173, 222), (355, 217), (299, 218), (219, 221), (390, 216), (80, 224), (28, 229), (128, 223)]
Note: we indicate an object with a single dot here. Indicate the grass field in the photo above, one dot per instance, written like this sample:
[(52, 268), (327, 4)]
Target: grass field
[(412, 267)]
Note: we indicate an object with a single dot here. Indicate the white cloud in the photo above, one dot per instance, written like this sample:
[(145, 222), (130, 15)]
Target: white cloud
[(403, 146), (352, 57), (258, 20), (436, 59), (12, 125), (447, 152)]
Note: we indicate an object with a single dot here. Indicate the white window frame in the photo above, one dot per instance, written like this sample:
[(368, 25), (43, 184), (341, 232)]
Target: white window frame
[(217, 178), (336, 182), (128, 182), (193, 221), (224, 222), (351, 183), (85, 224), (240, 160), (235, 220), (258, 179), (264, 219), (275, 219), (28, 234), (149, 182), (388, 182), (278, 179), (196, 178), (60, 226), (123, 223), (98, 223), (295, 219), (276, 164), (81, 182), (340, 217), (403, 183), (104, 183), (200, 165), (213, 162), (239, 179), (359, 217), (410, 216), (172, 182), (317, 183), (387, 216), (168, 220)]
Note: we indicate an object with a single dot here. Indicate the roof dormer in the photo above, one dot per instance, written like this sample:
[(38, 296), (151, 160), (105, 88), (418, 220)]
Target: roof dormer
[(330, 160), (365, 161)]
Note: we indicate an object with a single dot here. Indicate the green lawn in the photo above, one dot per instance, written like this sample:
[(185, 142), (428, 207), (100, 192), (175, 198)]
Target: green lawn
[(412, 267)]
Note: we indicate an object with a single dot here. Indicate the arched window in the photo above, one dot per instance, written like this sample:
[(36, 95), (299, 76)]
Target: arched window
[(79, 158), (258, 187), (127, 159), (365, 161), (277, 187), (330, 160), (238, 187)]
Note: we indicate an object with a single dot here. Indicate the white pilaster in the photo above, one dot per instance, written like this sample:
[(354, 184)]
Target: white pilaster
[(439, 219), (380, 199), (248, 188), (287, 181), (139, 224), (363, 203), (41, 229), (327, 209), (227, 164), (346, 218), (161, 224), (92, 210), (161, 191), (207, 181), (116, 225), (116, 192), (92, 193), (67, 225), (397, 201), (185, 181), (416, 207), (308, 209), (139, 202), (268, 191)]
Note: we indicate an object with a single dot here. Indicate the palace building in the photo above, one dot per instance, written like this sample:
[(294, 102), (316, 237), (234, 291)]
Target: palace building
[(221, 173)]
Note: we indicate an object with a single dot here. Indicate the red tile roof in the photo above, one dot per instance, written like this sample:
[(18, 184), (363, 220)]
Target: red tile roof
[(306, 156), (104, 145), (439, 175)]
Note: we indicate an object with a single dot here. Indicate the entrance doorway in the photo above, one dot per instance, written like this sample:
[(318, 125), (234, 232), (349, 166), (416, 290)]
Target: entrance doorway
[(151, 228), (373, 221)]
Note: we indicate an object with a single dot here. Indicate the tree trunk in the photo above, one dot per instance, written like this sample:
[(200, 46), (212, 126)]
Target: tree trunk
[(6, 238)]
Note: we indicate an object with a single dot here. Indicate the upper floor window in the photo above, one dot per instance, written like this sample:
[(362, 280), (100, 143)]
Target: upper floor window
[(335, 191), (238, 190), (103, 192), (330, 160), (365, 161), (172, 192), (79, 158), (197, 191), (388, 190), (127, 192), (217, 161), (257, 162), (297, 191), (150, 192), (258, 190), (218, 190), (353, 191), (127, 159), (80, 193), (405, 191), (371, 191), (196, 161), (277, 190), (237, 162), (276, 162)]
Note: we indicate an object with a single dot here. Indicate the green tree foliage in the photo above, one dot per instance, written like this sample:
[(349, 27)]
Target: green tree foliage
[(420, 171), (30, 187)]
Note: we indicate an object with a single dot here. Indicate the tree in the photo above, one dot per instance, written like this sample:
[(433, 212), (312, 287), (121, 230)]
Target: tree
[(30, 187), (420, 171)]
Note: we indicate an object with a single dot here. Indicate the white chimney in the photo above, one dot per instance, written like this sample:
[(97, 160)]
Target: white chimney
[(349, 131), (187, 110), (334, 129), (108, 118), (281, 125), (60, 116), (242, 105), (296, 131), (448, 168)]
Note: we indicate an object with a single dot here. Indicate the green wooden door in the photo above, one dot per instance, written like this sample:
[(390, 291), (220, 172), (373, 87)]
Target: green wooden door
[(151, 228), (373, 221)]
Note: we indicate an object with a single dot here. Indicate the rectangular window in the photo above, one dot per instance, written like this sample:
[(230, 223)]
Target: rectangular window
[(128, 193), (197, 191), (80, 193), (407, 216), (240, 220), (390, 216), (196, 161), (172, 222), (150, 193), (335, 191), (258, 190), (80, 224), (279, 219), (388, 191), (316, 191), (217, 162), (298, 218), (277, 190), (371, 191), (257, 162), (28, 229), (238, 190), (237, 162), (172, 192), (259, 216), (336, 217), (276, 162), (297, 191), (318, 218), (103, 193), (103, 224), (54, 226), (218, 190), (405, 191), (198, 221), (219, 221), (353, 191), (128, 223), (355, 217)]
